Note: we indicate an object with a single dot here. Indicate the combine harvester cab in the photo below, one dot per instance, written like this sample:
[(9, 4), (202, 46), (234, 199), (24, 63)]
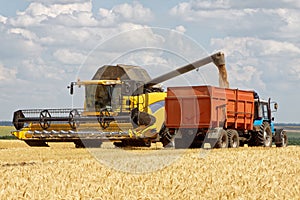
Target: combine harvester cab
[(214, 117)]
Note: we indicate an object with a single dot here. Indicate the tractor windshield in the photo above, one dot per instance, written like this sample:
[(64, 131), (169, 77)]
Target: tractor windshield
[(261, 110), (98, 97)]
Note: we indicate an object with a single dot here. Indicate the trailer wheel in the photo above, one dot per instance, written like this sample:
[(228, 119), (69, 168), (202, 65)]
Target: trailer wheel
[(264, 135), (281, 139), (223, 140), (233, 138)]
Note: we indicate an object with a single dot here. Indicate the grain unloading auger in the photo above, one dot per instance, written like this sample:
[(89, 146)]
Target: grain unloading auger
[(122, 104)]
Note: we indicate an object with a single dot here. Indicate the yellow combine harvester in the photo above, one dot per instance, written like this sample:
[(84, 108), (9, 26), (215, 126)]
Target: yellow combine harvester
[(122, 104)]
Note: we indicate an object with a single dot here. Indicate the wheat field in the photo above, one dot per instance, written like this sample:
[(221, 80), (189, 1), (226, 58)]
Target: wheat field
[(64, 172)]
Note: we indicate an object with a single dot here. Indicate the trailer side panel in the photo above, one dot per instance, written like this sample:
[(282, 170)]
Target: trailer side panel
[(209, 107)]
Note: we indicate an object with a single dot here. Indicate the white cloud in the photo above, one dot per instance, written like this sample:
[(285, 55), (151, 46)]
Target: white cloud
[(23, 20), (3, 19), (18, 43), (37, 70), (24, 33), (129, 36), (135, 12), (208, 4), (7, 74), (36, 13), (59, 1), (291, 29), (278, 19), (247, 45), (262, 64), (66, 56), (188, 12), (180, 29), (53, 10), (202, 10)]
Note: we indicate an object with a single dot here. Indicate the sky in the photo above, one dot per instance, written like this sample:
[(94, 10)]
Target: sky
[(46, 44)]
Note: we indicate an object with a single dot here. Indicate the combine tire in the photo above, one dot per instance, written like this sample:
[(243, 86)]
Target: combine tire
[(281, 139), (166, 136), (223, 140), (264, 136), (233, 138)]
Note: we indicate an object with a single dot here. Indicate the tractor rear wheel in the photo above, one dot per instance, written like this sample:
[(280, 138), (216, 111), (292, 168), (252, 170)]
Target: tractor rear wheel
[(233, 138), (264, 135)]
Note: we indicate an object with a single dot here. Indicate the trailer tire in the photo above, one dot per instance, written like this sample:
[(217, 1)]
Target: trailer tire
[(223, 140), (264, 135), (281, 139), (233, 138)]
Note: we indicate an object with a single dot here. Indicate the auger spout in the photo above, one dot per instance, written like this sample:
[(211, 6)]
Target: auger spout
[(217, 58)]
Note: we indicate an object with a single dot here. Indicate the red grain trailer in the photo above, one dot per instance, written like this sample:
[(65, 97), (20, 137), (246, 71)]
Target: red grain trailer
[(196, 113)]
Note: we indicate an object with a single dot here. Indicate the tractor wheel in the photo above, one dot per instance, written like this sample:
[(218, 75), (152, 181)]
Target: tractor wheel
[(223, 140), (281, 139), (233, 138), (264, 135)]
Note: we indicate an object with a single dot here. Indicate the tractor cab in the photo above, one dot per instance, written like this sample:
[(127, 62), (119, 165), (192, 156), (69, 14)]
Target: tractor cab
[(263, 112)]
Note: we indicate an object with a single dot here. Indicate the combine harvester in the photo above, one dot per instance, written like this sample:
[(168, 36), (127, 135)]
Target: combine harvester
[(124, 105)]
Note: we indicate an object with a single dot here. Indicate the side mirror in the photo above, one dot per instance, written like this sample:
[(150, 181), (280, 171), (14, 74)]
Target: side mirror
[(71, 87), (275, 106)]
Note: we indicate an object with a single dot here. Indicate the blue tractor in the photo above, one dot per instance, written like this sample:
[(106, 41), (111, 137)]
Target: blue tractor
[(264, 132)]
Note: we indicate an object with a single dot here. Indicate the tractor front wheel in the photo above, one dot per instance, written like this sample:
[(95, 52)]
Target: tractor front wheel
[(281, 139)]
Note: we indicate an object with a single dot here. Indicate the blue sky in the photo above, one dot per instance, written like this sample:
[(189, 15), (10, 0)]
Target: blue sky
[(45, 42)]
